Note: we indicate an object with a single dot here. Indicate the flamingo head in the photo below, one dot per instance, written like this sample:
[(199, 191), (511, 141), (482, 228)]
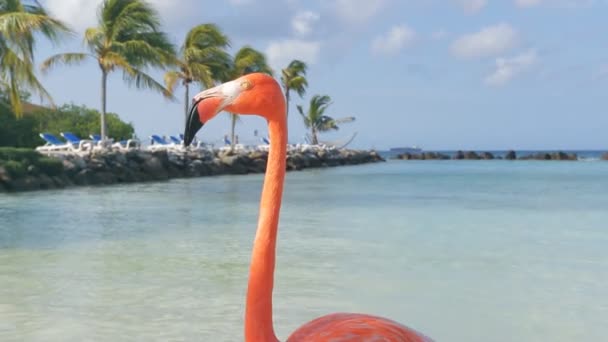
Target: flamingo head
[(252, 94)]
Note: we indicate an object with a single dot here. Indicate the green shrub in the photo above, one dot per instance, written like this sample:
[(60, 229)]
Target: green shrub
[(14, 168), (50, 166), (18, 154), (17, 160), (79, 120)]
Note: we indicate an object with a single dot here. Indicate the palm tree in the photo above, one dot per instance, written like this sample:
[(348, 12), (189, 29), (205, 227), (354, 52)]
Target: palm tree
[(246, 60), (128, 38), (294, 78), (202, 59), (316, 120), (19, 23)]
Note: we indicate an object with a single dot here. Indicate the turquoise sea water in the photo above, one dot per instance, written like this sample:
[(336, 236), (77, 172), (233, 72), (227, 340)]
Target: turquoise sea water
[(461, 250)]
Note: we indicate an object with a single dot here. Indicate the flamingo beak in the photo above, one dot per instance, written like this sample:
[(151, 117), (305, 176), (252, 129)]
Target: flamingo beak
[(193, 124), (205, 106)]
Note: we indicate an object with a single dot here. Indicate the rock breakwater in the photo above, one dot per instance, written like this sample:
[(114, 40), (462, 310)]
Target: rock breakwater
[(139, 165), (472, 155)]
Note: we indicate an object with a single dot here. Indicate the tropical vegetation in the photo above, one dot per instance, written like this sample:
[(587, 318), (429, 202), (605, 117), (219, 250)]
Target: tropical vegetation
[(127, 38), (80, 120), (202, 59), (316, 120), (20, 23), (21, 161), (293, 78)]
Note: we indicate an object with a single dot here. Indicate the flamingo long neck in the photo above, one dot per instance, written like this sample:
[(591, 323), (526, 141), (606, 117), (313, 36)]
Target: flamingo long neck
[(258, 312)]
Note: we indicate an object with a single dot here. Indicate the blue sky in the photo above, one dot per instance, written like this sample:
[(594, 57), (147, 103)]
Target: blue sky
[(449, 74)]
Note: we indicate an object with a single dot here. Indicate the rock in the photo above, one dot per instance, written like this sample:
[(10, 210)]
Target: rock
[(563, 156), (511, 155), (470, 155), (605, 156), (550, 156), (59, 182), (4, 175), (154, 167), (32, 170), (257, 166), (104, 177), (109, 167), (45, 182), (84, 177), (27, 183), (487, 156)]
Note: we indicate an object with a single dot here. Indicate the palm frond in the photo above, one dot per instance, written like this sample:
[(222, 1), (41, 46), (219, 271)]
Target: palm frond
[(112, 60), (17, 24), (201, 73), (141, 80), (299, 84), (204, 36), (248, 59), (304, 116), (93, 39), (293, 77), (65, 59), (20, 74), (172, 79)]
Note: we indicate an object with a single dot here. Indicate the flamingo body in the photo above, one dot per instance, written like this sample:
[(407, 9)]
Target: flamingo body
[(351, 327), (260, 94)]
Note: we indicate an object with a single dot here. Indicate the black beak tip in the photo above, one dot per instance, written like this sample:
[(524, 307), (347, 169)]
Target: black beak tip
[(193, 125)]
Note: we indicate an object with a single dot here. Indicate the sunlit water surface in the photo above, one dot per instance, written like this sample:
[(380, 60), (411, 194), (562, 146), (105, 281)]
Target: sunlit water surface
[(463, 251)]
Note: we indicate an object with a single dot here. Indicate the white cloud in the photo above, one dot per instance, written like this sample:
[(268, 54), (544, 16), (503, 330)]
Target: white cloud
[(507, 68), (280, 53), (79, 14), (358, 11), (489, 41), (394, 40), (303, 22), (472, 6), (527, 3)]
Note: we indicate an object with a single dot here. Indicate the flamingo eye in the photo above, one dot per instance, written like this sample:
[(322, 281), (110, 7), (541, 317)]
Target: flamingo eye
[(246, 85)]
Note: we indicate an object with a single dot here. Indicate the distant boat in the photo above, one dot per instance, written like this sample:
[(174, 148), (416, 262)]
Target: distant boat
[(408, 149)]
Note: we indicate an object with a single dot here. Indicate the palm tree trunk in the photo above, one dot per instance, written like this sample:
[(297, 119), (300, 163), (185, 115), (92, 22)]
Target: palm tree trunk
[(233, 118), (104, 81), (287, 102), (315, 141), (186, 101)]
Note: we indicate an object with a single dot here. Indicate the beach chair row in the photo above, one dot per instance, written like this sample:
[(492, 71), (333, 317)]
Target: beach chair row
[(73, 143)]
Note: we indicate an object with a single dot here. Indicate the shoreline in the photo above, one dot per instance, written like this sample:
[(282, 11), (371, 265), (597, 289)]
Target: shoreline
[(110, 167)]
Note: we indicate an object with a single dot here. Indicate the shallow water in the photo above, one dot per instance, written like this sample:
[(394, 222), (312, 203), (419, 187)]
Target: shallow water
[(463, 251)]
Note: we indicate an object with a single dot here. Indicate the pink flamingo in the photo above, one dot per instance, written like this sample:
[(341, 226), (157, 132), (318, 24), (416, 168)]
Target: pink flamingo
[(260, 94)]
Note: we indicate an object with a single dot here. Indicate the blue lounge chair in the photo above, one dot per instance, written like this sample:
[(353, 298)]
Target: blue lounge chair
[(176, 140), (76, 142), (53, 144), (158, 142), (96, 138)]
